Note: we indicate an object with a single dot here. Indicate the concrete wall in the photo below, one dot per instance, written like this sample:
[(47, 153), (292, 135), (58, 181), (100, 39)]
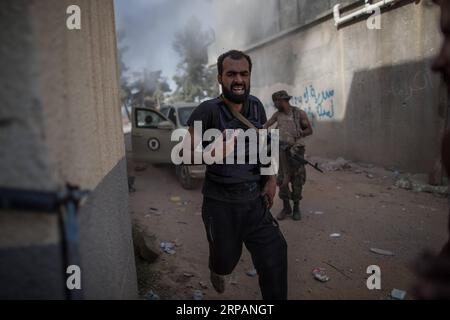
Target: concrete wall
[(370, 94), (60, 122), (244, 23)]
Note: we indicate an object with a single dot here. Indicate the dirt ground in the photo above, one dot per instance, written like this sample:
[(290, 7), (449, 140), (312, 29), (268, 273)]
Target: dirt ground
[(363, 207)]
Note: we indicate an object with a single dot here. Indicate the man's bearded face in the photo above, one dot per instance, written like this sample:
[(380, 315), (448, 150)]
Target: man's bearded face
[(235, 79), (278, 103)]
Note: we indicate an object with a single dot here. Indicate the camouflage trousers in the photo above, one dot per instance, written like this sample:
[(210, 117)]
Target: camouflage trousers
[(296, 172)]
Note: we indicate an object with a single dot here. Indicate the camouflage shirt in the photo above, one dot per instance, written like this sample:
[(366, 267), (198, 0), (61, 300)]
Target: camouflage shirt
[(289, 126)]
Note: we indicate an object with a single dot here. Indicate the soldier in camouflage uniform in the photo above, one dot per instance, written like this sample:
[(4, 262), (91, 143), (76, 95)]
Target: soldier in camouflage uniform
[(294, 126)]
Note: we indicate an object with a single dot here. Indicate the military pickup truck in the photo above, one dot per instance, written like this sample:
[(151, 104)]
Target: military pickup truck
[(150, 139)]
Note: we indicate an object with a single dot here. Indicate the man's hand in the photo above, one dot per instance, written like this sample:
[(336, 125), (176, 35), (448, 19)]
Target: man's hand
[(269, 190)]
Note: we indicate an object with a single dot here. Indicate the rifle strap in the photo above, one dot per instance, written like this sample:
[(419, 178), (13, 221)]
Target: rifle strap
[(239, 116)]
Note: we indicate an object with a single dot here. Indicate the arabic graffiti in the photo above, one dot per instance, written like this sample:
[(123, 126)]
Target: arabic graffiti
[(317, 104)]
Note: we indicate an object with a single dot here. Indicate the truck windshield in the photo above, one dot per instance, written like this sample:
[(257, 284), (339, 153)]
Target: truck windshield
[(165, 111), (184, 114)]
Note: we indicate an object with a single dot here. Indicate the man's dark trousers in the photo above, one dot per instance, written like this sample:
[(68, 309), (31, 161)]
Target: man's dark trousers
[(229, 225)]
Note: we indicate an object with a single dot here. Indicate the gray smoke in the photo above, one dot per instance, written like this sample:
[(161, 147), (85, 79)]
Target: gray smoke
[(150, 26)]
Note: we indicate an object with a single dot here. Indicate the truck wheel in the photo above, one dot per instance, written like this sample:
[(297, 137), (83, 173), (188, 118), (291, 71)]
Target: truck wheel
[(185, 179)]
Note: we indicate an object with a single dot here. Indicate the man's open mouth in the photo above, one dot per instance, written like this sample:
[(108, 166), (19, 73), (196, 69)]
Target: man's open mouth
[(238, 89)]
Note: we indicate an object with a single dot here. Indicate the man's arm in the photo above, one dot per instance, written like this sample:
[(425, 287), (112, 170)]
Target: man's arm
[(305, 124), (220, 148), (271, 121), (193, 139)]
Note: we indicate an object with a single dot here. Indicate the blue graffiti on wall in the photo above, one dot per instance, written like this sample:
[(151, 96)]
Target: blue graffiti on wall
[(317, 104)]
